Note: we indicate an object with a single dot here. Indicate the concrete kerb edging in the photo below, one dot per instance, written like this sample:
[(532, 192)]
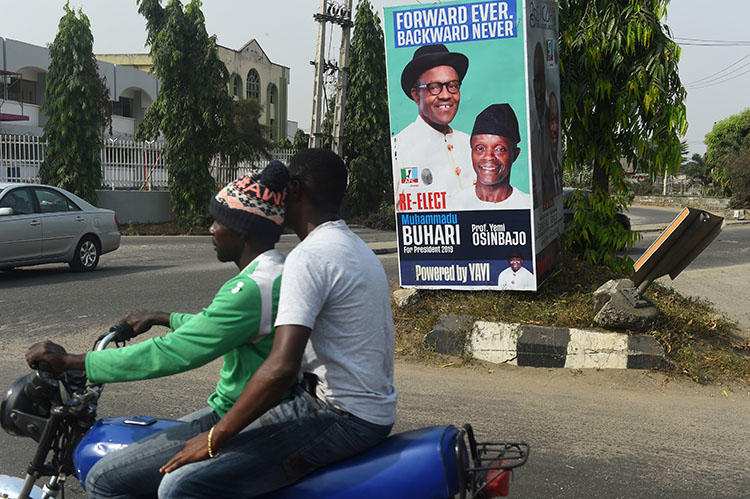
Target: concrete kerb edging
[(536, 346)]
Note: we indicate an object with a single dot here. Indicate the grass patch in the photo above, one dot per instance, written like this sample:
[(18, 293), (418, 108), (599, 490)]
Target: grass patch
[(160, 229), (697, 340)]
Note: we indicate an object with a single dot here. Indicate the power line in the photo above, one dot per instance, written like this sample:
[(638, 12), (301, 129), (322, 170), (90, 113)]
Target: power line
[(701, 42), (718, 75), (719, 82)]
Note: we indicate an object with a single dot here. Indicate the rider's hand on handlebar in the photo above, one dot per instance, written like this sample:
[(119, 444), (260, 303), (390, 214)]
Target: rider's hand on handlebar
[(54, 355), (142, 320)]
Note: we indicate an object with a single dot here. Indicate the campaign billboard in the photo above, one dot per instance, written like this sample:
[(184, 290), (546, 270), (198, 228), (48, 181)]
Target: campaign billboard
[(470, 151)]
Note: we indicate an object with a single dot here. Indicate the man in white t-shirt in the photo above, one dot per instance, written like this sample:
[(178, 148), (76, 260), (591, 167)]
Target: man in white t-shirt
[(516, 276), (429, 155), (494, 149), (334, 324)]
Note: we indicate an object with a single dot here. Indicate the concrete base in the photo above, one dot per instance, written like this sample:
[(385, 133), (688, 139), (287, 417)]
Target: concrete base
[(617, 312), (536, 346), (137, 206), (405, 297), (449, 335)]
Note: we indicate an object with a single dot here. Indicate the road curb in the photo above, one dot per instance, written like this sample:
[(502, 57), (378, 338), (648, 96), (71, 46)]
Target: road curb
[(537, 346)]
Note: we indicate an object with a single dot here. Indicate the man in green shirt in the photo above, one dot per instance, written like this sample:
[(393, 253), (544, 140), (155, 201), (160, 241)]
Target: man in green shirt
[(238, 324)]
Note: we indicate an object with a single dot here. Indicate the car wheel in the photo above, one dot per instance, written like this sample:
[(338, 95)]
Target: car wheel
[(86, 255)]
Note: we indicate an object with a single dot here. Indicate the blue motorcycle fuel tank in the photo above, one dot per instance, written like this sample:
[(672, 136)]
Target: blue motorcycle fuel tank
[(419, 463), (109, 434)]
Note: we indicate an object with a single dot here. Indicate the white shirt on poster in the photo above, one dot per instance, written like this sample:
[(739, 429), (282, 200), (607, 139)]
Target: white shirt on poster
[(442, 161), (334, 284), (521, 279), (467, 199)]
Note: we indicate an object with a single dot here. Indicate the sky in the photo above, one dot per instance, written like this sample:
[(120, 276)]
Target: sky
[(716, 75)]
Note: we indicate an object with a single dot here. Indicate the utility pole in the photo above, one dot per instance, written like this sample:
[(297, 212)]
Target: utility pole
[(338, 115), (339, 14)]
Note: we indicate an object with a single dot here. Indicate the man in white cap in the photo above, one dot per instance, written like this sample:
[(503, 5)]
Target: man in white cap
[(516, 276)]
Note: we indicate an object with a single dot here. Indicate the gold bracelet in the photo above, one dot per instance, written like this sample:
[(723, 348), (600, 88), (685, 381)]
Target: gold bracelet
[(210, 435)]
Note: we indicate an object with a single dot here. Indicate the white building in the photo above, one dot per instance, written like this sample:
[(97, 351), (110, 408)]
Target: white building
[(23, 79), (251, 75)]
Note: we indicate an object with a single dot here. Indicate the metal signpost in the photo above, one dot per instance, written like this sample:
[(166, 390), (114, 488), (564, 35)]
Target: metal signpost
[(678, 245)]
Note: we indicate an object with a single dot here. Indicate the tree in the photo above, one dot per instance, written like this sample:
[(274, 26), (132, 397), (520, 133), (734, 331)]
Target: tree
[(738, 175), (301, 140), (76, 101), (724, 142), (284, 143), (696, 168), (245, 139), (621, 99), (193, 109), (366, 141), (326, 127)]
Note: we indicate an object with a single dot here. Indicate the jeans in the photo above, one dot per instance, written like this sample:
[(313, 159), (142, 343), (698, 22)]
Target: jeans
[(289, 441), (134, 470)]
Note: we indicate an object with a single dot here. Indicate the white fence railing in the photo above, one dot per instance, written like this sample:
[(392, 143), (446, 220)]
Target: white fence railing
[(125, 164)]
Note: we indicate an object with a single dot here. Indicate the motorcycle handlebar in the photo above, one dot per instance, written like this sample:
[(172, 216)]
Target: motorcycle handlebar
[(44, 367), (119, 333), (123, 332)]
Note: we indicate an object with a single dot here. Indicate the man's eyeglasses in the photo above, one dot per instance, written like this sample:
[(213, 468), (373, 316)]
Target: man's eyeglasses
[(435, 87)]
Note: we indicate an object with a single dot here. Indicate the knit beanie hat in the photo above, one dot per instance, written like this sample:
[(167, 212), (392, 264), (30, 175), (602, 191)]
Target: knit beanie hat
[(253, 206)]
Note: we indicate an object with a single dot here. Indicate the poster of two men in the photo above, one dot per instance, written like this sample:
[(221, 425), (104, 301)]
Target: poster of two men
[(474, 115)]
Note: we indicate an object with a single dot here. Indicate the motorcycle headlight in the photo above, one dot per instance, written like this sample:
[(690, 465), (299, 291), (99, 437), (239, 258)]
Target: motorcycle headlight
[(26, 405)]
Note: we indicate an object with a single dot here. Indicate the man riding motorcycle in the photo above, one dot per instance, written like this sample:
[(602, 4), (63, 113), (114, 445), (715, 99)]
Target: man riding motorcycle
[(334, 292), (248, 219)]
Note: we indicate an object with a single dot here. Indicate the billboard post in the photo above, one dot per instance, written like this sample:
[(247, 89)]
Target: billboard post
[(473, 90)]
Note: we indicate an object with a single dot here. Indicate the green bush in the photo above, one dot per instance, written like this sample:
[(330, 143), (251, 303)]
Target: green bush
[(738, 175), (594, 234), (643, 187), (382, 219)]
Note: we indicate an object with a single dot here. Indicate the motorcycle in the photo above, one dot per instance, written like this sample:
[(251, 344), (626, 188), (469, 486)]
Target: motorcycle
[(58, 411)]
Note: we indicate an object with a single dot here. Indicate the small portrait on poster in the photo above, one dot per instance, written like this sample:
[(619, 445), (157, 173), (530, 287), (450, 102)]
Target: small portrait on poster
[(429, 154), (552, 170), (516, 276), (539, 124), (494, 148)]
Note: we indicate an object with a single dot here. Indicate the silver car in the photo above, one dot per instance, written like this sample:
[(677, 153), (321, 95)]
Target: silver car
[(45, 224)]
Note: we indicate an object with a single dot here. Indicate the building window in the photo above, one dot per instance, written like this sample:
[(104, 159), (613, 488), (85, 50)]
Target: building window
[(28, 91), (236, 85), (123, 107), (18, 90), (253, 84), (273, 131), (273, 97)]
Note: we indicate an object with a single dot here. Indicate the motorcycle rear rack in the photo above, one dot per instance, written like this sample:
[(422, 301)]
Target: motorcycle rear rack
[(484, 457)]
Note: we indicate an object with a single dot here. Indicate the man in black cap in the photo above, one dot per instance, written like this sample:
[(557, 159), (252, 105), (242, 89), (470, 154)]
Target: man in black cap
[(494, 148), (440, 154), (516, 276)]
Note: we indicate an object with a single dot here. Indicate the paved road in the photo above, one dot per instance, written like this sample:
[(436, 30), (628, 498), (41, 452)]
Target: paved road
[(718, 275)]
